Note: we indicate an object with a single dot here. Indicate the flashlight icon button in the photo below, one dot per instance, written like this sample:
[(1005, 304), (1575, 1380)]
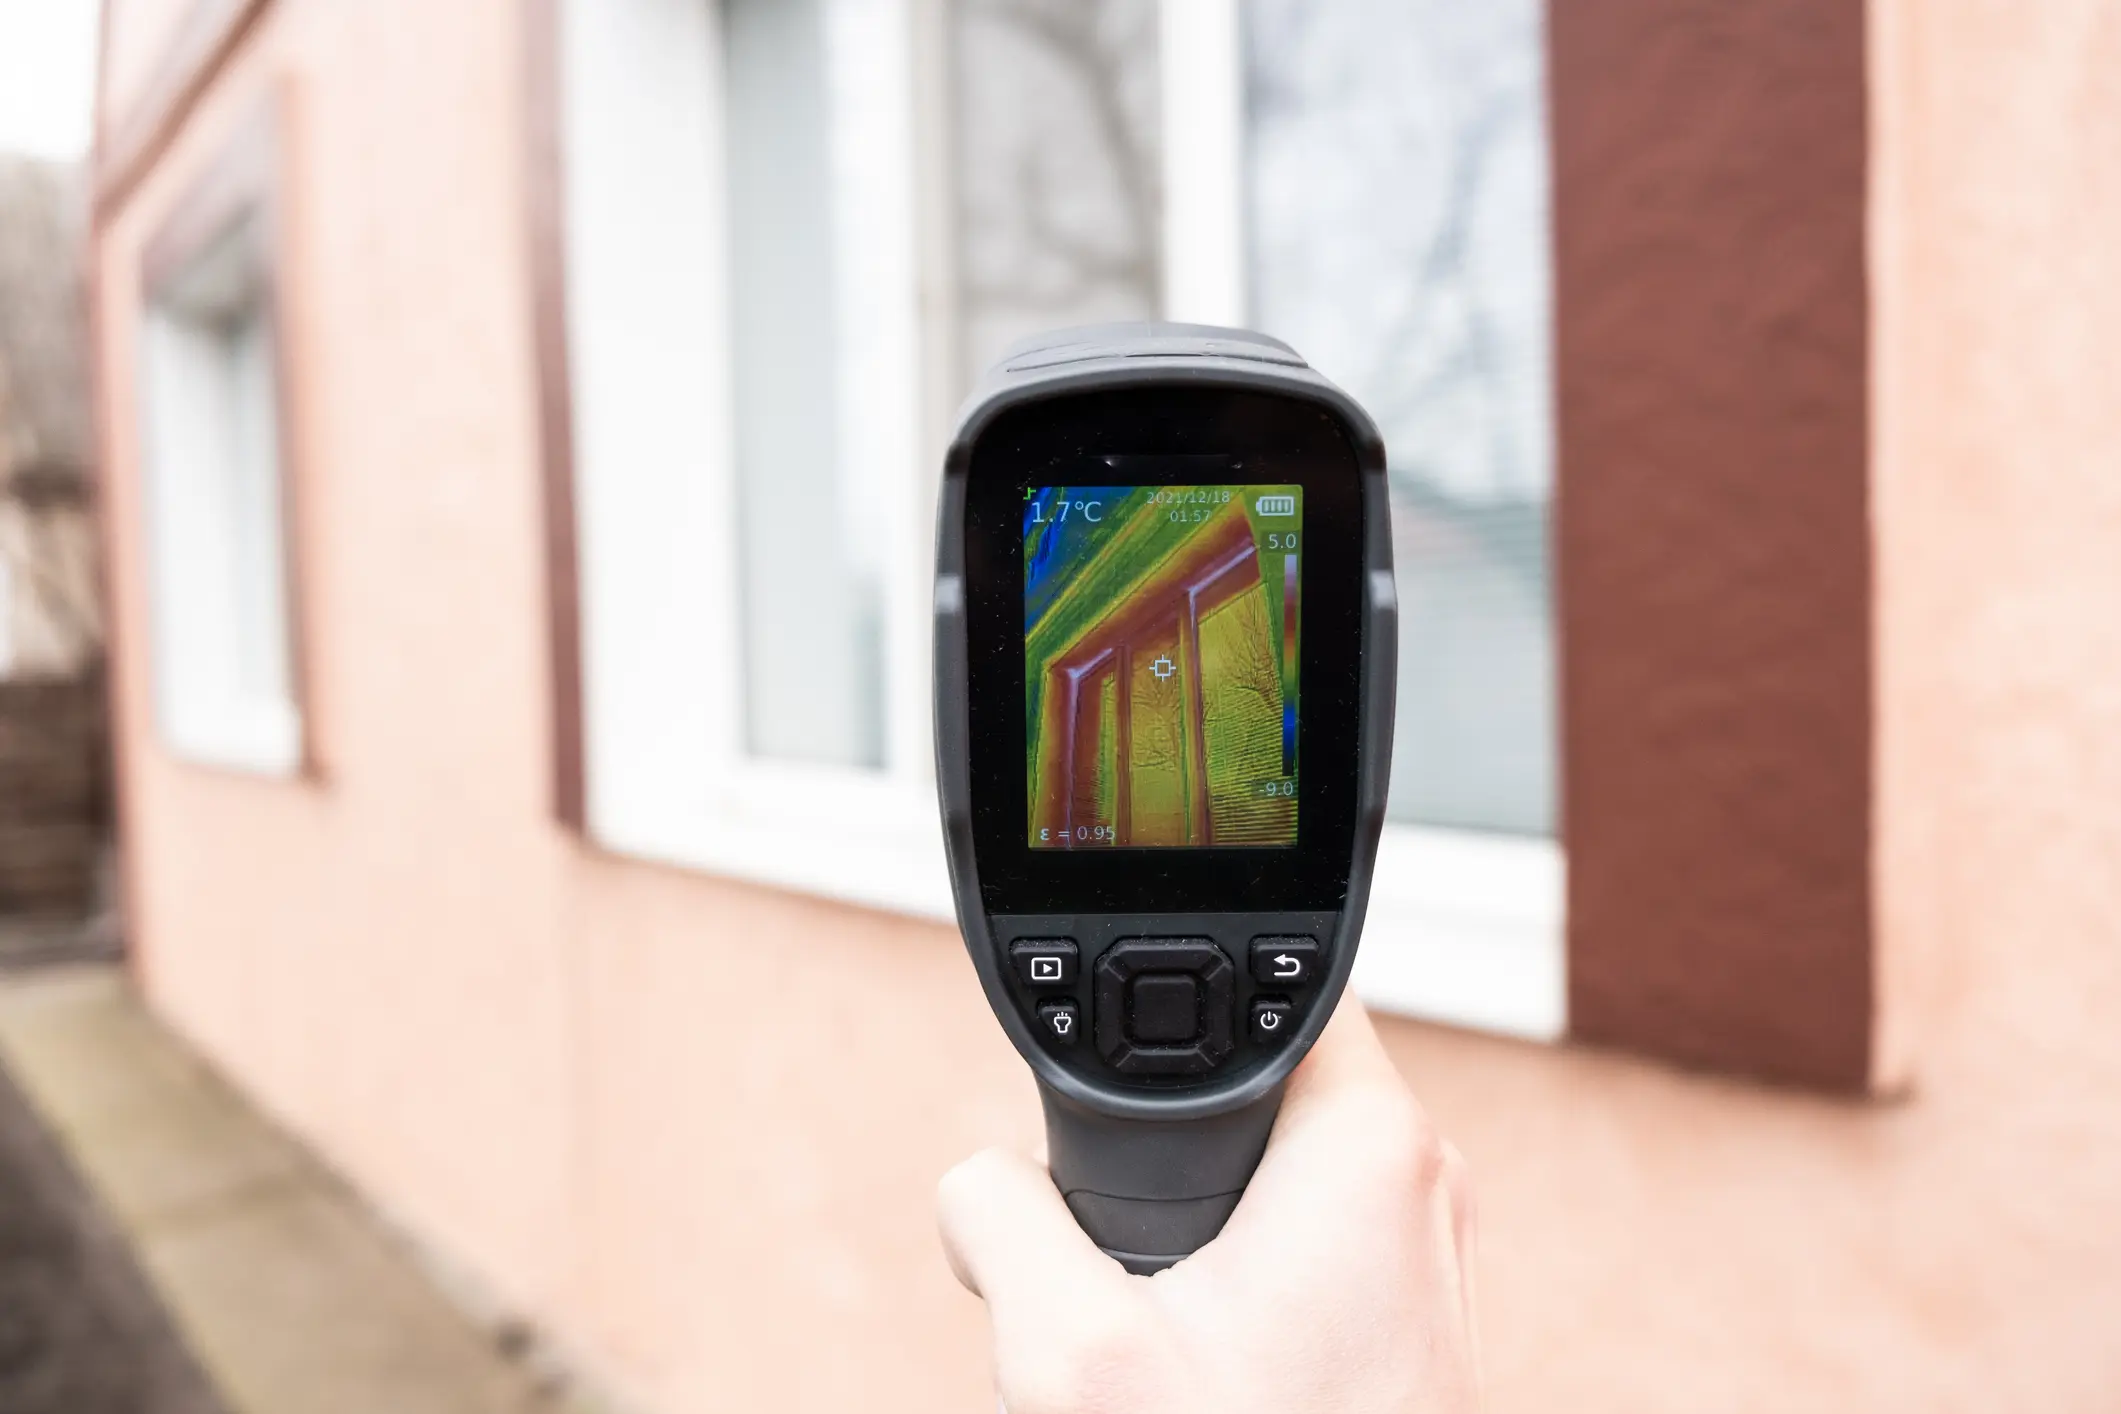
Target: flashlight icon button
[(1061, 1021)]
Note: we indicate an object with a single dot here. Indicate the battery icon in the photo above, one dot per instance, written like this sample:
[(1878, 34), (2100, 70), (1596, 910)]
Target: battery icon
[(1276, 505)]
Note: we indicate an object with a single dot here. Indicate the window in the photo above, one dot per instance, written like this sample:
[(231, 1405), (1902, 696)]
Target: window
[(1396, 204), (215, 484), (1367, 179), (744, 301), (1055, 155), (808, 554), (750, 510)]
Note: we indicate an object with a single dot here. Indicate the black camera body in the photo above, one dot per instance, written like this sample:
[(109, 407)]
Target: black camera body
[(1164, 665)]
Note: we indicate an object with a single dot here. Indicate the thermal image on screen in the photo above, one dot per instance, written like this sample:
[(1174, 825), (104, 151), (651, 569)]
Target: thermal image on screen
[(1160, 665)]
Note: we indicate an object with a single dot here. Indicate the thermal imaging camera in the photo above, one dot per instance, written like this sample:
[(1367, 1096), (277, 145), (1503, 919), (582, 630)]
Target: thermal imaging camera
[(1164, 669)]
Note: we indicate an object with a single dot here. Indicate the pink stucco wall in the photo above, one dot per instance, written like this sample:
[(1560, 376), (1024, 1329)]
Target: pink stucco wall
[(138, 34), (622, 1094)]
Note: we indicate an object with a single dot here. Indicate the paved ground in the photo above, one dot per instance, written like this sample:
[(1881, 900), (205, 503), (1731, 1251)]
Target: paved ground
[(80, 1332), (292, 1297)]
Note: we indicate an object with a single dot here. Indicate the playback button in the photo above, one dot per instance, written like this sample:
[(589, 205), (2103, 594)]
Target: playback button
[(1044, 962)]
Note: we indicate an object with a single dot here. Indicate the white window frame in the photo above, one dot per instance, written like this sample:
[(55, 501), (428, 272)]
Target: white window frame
[(193, 375), (1464, 927), (667, 773)]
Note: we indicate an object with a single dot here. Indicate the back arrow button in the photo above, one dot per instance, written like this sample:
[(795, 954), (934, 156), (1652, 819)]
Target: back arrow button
[(1285, 961)]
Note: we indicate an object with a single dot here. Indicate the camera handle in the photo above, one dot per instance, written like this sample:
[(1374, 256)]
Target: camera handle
[(1152, 1192)]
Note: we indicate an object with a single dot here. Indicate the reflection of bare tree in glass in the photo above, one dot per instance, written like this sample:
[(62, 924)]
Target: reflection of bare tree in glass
[(1058, 170), (1442, 339), (1247, 683), (1157, 728), (1243, 690), (1425, 118), (1398, 220)]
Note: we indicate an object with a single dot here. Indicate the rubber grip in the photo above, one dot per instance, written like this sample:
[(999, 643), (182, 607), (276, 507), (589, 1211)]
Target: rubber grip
[(1153, 1192)]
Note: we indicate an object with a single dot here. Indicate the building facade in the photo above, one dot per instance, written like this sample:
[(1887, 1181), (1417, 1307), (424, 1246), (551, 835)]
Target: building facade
[(520, 421)]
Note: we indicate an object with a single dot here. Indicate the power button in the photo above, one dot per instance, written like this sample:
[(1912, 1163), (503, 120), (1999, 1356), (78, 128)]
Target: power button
[(1272, 1019)]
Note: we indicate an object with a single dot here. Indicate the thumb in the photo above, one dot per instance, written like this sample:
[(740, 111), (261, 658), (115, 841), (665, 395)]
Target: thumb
[(1050, 1293), (1010, 1237)]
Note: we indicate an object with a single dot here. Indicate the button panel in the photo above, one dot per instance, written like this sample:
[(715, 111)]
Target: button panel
[(1170, 1001)]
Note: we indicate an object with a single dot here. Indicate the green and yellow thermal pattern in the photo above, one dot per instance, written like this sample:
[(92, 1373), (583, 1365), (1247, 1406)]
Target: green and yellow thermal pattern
[(1107, 762), (1241, 700), (1080, 579)]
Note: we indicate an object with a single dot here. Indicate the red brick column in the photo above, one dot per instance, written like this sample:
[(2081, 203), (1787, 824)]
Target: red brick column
[(1714, 559)]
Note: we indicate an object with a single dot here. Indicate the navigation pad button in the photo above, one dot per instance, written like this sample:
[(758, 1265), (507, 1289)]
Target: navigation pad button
[(1165, 1006), (1163, 1009)]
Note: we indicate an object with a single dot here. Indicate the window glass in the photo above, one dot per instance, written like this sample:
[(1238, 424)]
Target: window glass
[(223, 674), (1396, 179), (1057, 167), (812, 596)]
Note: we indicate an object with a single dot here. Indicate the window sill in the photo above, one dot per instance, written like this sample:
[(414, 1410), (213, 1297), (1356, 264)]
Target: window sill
[(1464, 929), (836, 834), (256, 740), (1467, 929)]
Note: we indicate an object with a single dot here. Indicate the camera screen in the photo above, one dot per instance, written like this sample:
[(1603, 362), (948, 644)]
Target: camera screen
[(1161, 632)]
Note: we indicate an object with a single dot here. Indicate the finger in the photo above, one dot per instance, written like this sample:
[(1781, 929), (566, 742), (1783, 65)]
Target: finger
[(1059, 1307), (1347, 1062), (1011, 1240), (1350, 1139), (1464, 1207), (1462, 1203)]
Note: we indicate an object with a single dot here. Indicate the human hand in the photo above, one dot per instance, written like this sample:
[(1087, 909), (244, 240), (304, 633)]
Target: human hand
[(1343, 1283)]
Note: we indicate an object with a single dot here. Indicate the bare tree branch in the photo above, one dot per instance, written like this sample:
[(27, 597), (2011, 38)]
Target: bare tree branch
[(1093, 56)]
